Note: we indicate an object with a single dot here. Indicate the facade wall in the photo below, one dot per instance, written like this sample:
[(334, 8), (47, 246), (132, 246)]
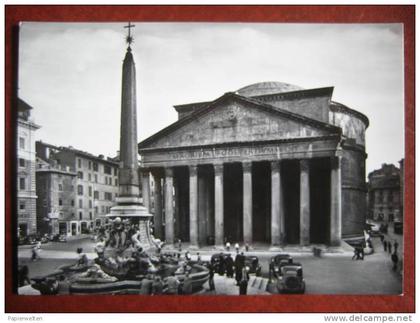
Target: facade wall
[(385, 202), (352, 126), (26, 181), (354, 191)]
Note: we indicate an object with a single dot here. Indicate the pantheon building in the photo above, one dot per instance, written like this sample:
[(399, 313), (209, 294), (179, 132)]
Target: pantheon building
[(271, 163)]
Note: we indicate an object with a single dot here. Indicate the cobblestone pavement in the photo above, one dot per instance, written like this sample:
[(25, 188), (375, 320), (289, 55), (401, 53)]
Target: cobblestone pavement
[(333, 273)]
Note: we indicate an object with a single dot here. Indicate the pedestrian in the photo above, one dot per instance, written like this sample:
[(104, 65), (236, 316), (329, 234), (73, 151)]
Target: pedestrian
[(246, 247), (34, 256), (389, 247), (356, 254), (187, 256), (271, 270), (157, 286), (187, 285), (229, 266), (146, 285), (198, 258), (394, 259), (385, 244), (237, 248), (211, 277), (382, 238), (362, 253), (228, 246), (243, 284), (395, 246), (239, 264), (179, 245), (23, 276), (173, 284)]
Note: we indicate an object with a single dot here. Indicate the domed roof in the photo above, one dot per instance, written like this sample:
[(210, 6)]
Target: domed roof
[(267, 88)]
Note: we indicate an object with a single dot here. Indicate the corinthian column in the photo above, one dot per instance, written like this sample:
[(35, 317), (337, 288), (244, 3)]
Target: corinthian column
[(193, 206), (277, 207), (169, 207), (218, 205), (335, 226), (304, 202), (247, 201)]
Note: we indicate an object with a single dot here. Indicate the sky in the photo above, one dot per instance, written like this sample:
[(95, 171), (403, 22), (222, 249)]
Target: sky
[(70, 73)]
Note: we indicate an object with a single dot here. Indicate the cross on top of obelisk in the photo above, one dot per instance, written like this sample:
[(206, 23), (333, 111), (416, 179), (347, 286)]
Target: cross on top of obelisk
[(129, 39)]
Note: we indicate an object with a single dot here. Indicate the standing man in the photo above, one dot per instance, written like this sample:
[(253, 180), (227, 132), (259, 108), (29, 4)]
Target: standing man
[(211, 276)]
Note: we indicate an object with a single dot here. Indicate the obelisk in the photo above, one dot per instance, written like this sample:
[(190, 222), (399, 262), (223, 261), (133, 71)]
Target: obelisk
[(128, 202)]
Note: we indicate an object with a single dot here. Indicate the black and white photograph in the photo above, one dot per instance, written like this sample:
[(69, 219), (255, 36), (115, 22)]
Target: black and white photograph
[(180, 158)]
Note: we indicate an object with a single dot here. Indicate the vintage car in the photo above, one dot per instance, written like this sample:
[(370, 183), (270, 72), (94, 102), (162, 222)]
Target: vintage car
[(218, 261), (25, 240), (252, 265), (291, 279), (279, 261)]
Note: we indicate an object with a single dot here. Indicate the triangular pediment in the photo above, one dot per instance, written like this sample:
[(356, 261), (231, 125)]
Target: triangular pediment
[(233, 118)]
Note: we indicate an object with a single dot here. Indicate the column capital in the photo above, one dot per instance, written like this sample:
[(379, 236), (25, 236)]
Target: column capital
[(169, 172), (218, 169), (193, 170), (144, 170), (275, 165), (304, 164), (247, 166)]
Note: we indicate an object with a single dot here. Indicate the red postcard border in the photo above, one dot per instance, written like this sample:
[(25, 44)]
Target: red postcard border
[(404, 14)]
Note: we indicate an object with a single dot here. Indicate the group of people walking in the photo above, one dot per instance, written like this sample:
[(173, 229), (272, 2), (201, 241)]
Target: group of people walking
[(392, 249)]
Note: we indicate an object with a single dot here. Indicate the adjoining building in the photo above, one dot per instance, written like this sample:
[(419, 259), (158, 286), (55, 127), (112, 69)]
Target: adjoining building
[(56, 199), (271, 163), (25, 167), (95, 186), (385, 201)]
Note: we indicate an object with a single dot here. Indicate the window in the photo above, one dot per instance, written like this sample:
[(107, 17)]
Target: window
[(22, 205), (79, 163), (96, 178), (106, 180), (21, 143), (116, 182), (115, 171), (96, 195), (96, 210), (72, 202), (95, 167), (60, 187), (107, 170), (108, 196), (79, 189), (21, 162), (80, 203), (80, 175), (103, 209), (60, 202), (80, 215), (90, 204), (90, 177), (90, 215), (90, 164), (90, 190), (22, 183)]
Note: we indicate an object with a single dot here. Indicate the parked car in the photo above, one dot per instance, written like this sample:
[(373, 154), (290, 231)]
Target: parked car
[(374, 229), (280, 260), (218, 261), (253, 266), (25, 240), (291, 280)]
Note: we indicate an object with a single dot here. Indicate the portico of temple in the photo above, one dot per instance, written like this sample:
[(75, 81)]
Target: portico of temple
[(271, 163)]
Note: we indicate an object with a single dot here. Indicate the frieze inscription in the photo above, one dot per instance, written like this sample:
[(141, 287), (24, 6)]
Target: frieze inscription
[(223, 152)]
